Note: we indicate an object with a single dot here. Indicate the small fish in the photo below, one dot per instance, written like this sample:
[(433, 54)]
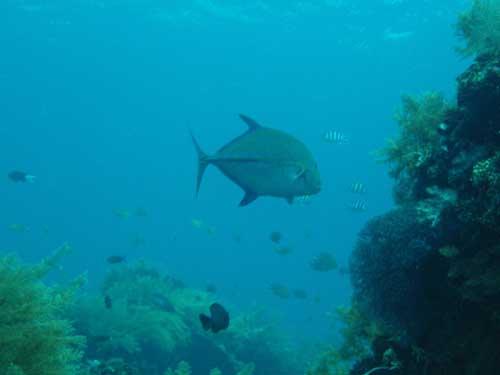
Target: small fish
[(358, 188), (300, 294), (122, 213), (280, 290), (19, 228), (335, 137), (276, 237), (108, 303), (18, 176), (197, 223), (324, 262), (141, 212), (218, 319), (200, 224), (264, 162), (358, 206), (115, 259), (282, 250)]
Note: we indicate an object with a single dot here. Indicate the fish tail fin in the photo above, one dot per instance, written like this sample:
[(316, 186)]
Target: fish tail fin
[(202, 162), (206, 322)]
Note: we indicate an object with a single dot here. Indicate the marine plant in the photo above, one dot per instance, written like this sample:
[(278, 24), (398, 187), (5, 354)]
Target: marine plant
[(143, 322), (419, 119), (479, 27), (183, 368), (34, 336)]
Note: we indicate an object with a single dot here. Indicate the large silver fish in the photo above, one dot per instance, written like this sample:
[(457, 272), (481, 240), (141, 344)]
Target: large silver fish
[(264, 162)]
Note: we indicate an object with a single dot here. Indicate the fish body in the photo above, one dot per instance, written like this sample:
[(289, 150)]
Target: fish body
[(264, 162), (218, 319), (115, 259), (280, 290), (358, 188), (358, 206), (324, 262), (18, 176), (335, 137), (276, 237)]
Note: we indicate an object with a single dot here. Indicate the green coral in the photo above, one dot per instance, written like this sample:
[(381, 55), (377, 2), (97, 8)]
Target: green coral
[(34, 338), (479, 27), (419, 119)]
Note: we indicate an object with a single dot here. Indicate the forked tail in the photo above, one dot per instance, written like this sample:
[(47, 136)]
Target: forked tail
[(202, 162)]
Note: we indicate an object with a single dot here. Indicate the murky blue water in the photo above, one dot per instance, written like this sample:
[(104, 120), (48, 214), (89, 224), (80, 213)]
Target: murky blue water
[(96, 98)]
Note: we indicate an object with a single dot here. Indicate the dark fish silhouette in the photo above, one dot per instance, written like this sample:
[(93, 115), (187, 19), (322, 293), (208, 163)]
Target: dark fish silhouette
[(108, 303), (218, 319), (18, 176), (115, 259), (276, 237), (264, 162)]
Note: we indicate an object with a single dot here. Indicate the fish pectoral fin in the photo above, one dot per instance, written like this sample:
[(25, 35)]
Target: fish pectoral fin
[(248, 198)]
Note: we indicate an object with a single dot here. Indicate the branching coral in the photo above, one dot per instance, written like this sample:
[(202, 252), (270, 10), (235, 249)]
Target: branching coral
[(479, 27), (419, 119), (34, 338)]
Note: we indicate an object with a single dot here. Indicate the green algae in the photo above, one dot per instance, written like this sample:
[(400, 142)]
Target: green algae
[(419, 119), (479, 28), (34, 337)]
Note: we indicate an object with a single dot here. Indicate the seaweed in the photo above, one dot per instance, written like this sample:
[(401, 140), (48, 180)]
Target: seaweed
[(34, 336), (479, 27), (419, 120)]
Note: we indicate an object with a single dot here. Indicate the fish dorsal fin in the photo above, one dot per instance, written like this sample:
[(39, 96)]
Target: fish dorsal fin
[(252, 124), (248, 198)]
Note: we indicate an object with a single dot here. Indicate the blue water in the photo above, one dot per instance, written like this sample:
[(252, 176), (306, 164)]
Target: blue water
[(96, 98)]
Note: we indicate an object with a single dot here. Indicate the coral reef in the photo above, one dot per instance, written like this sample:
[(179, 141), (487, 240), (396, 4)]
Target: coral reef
[(152, 325), (390, 264), (34, 336), (428, 272)]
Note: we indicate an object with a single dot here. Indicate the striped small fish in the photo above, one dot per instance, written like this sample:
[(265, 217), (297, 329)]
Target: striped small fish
[(358, 206), (335, 137), (358, 188)]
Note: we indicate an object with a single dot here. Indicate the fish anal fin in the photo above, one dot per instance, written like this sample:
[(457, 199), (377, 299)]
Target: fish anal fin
[(252, 124), (248, 198)]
